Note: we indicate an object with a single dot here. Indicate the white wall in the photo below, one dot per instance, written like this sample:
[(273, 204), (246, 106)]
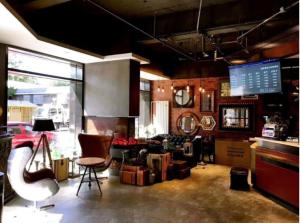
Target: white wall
[(107, 86)]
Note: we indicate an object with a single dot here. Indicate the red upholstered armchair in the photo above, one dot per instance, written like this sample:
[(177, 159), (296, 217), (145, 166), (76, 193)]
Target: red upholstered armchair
[(96, 146)]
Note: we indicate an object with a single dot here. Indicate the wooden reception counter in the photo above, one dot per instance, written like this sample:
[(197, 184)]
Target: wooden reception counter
[(275, 169), (233, 152)]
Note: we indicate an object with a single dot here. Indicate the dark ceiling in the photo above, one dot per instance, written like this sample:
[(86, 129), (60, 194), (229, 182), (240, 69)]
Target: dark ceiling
[(165, 31)]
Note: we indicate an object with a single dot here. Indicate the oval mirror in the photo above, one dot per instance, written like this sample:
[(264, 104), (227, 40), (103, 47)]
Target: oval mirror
[(188, 123)]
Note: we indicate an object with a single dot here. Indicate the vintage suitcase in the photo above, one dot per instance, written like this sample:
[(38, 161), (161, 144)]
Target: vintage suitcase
[(142, 177), (170, 172), (166, 160), (127, 177), (184, 173), (61, 168), (180, 164), (128, 174), (159, 161)]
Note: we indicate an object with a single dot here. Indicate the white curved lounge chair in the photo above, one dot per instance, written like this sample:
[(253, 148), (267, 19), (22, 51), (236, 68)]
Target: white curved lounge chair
[(33, 186)]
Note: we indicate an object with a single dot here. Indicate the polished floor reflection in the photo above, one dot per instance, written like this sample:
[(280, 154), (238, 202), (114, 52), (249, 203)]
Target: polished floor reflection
[(204, 197)]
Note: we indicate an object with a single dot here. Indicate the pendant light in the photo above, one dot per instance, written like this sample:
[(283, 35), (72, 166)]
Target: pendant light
[(188, 87), (172, 87)]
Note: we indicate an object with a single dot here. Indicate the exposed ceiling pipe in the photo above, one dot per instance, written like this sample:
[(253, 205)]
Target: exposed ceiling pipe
[(281, 10), (199, 15), (142, 31)]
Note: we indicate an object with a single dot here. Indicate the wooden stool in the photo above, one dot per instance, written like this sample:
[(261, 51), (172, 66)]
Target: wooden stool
[(90, 163), (239, 178)]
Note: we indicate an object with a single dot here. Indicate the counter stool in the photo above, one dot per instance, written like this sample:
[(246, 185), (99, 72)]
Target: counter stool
[(239, 179)]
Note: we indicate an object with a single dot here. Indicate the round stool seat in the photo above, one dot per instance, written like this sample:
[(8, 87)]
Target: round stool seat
[(239, 178), (238, 171), (90, 161)]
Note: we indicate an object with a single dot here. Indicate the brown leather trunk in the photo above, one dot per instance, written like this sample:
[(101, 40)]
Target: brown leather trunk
[(128, 174), (142, 177), (184, 173), (180, 165), (127, 177), (170, 172)]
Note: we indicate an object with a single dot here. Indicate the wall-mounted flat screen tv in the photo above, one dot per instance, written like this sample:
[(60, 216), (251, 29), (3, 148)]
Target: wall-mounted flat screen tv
[(261, 77)]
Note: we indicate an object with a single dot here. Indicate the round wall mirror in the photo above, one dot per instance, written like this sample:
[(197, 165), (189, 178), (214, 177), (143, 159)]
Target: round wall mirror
[(188, 123)]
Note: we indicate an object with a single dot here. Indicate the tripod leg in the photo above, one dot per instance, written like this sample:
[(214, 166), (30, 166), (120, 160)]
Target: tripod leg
[(35, 152), (44, 152), (48, 152)]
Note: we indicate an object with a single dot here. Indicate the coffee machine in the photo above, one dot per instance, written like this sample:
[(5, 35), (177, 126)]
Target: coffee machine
[(275, 127)]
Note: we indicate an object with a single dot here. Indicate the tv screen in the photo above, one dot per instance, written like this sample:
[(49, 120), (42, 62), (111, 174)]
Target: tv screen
[(261, 77)]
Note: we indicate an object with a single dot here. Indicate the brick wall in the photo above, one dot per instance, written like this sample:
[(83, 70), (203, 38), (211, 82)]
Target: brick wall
[(210, 84)]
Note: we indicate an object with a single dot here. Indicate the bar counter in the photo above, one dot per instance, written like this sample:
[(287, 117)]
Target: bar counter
[(275, 169)]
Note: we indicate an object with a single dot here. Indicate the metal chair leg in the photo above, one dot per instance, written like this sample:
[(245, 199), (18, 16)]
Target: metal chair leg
[(90, 177), (97, 180), (81, 180)]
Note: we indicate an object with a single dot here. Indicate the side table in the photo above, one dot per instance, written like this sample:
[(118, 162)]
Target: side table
[(61, 168)]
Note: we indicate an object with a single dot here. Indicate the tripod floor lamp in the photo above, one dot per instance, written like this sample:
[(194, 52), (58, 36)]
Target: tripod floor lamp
[(43, 125)]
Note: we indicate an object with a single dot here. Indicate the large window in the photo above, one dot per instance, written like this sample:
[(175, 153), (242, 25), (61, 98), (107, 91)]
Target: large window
[(143, 121), (44, 87)]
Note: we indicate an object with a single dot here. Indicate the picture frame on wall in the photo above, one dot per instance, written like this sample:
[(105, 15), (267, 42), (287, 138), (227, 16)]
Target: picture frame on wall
[(207, 101), (183, 98), (224, 89), (237, 117), (208, 123)]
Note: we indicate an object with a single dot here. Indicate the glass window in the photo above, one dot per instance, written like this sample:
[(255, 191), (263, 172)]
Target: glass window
[(37, 99), (37, 63), (26, 97), (143, 122), (58, 97), (28, 129), (14, 130)]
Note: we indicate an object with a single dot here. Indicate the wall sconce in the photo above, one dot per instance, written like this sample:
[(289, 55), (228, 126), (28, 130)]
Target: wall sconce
[(188, 87), (162, 89), (158, 88)]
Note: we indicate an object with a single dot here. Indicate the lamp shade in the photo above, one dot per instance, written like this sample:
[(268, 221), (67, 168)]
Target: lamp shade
[(41, 125)]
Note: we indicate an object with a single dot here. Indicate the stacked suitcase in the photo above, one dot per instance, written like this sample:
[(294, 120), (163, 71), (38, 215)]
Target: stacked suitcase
[(181, 169)]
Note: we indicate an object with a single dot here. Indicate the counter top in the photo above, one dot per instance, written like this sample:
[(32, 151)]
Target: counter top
[(293, 144)]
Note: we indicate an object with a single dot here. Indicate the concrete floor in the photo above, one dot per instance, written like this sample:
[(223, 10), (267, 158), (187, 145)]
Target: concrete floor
[(204, 197)]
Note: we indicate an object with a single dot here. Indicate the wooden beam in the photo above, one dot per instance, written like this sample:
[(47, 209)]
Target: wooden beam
[(41, 4)]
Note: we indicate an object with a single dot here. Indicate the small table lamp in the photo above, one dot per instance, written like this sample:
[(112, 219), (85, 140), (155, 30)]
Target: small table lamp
[(42, 125)]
